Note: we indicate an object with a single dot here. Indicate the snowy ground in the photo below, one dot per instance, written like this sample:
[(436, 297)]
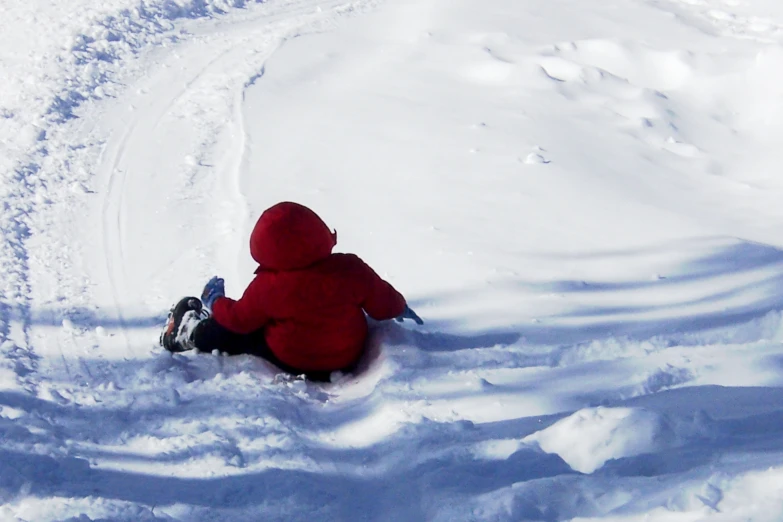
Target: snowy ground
[(580, 198)]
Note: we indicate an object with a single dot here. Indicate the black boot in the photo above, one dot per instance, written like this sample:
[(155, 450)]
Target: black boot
[(173, 338)]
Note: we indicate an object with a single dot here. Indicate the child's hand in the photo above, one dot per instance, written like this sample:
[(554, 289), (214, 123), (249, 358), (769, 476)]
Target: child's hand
[(408, 313), (214, 288)]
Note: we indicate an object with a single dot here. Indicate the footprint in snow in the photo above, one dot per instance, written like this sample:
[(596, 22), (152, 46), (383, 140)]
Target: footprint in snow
[(536, 157)]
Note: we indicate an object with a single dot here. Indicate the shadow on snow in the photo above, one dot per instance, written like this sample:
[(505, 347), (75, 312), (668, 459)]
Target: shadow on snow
[(740, 281), (407, 475)]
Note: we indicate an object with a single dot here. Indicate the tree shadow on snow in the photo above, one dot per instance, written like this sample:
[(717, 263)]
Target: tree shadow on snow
[(409, 493), (405, 476), (410, 474), (428, 469), (87, 318), (733, 271)]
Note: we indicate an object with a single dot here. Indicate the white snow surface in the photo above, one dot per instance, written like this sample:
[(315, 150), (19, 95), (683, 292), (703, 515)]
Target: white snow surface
[(581, 199)]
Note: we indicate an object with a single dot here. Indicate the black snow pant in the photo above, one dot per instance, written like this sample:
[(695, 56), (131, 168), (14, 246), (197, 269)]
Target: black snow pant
[(208, 335)]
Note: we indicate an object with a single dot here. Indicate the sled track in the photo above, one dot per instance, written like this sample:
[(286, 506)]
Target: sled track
[(221, 64), (63, 292)]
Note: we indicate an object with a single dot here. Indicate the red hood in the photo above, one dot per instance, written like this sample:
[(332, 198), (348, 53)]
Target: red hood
[(290, 236)]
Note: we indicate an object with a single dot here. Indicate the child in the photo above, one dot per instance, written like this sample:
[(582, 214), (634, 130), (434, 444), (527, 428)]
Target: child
[(305, 309)]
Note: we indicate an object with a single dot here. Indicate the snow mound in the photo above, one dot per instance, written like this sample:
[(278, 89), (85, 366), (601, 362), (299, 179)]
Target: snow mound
[(589, 438)]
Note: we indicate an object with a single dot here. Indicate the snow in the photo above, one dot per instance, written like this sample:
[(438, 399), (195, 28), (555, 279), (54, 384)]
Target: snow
[(581, 199), (590, 437)]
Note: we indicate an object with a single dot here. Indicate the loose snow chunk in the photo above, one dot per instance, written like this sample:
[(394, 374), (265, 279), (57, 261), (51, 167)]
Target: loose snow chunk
[(589, 438)]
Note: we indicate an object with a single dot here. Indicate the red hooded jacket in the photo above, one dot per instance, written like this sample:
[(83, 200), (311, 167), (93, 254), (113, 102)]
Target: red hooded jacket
[(309, 301)]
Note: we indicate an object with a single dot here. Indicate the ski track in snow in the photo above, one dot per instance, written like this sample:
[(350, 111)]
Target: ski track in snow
[(97, 424)]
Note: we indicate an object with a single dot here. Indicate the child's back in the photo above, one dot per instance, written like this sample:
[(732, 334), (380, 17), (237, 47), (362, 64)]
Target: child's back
[(309, 302)]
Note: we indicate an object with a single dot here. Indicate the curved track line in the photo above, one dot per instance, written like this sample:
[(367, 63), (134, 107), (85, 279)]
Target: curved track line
[(194, 96)]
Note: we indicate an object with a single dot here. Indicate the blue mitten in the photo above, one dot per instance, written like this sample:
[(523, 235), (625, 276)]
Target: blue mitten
[(408, 313), (214, 288)]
